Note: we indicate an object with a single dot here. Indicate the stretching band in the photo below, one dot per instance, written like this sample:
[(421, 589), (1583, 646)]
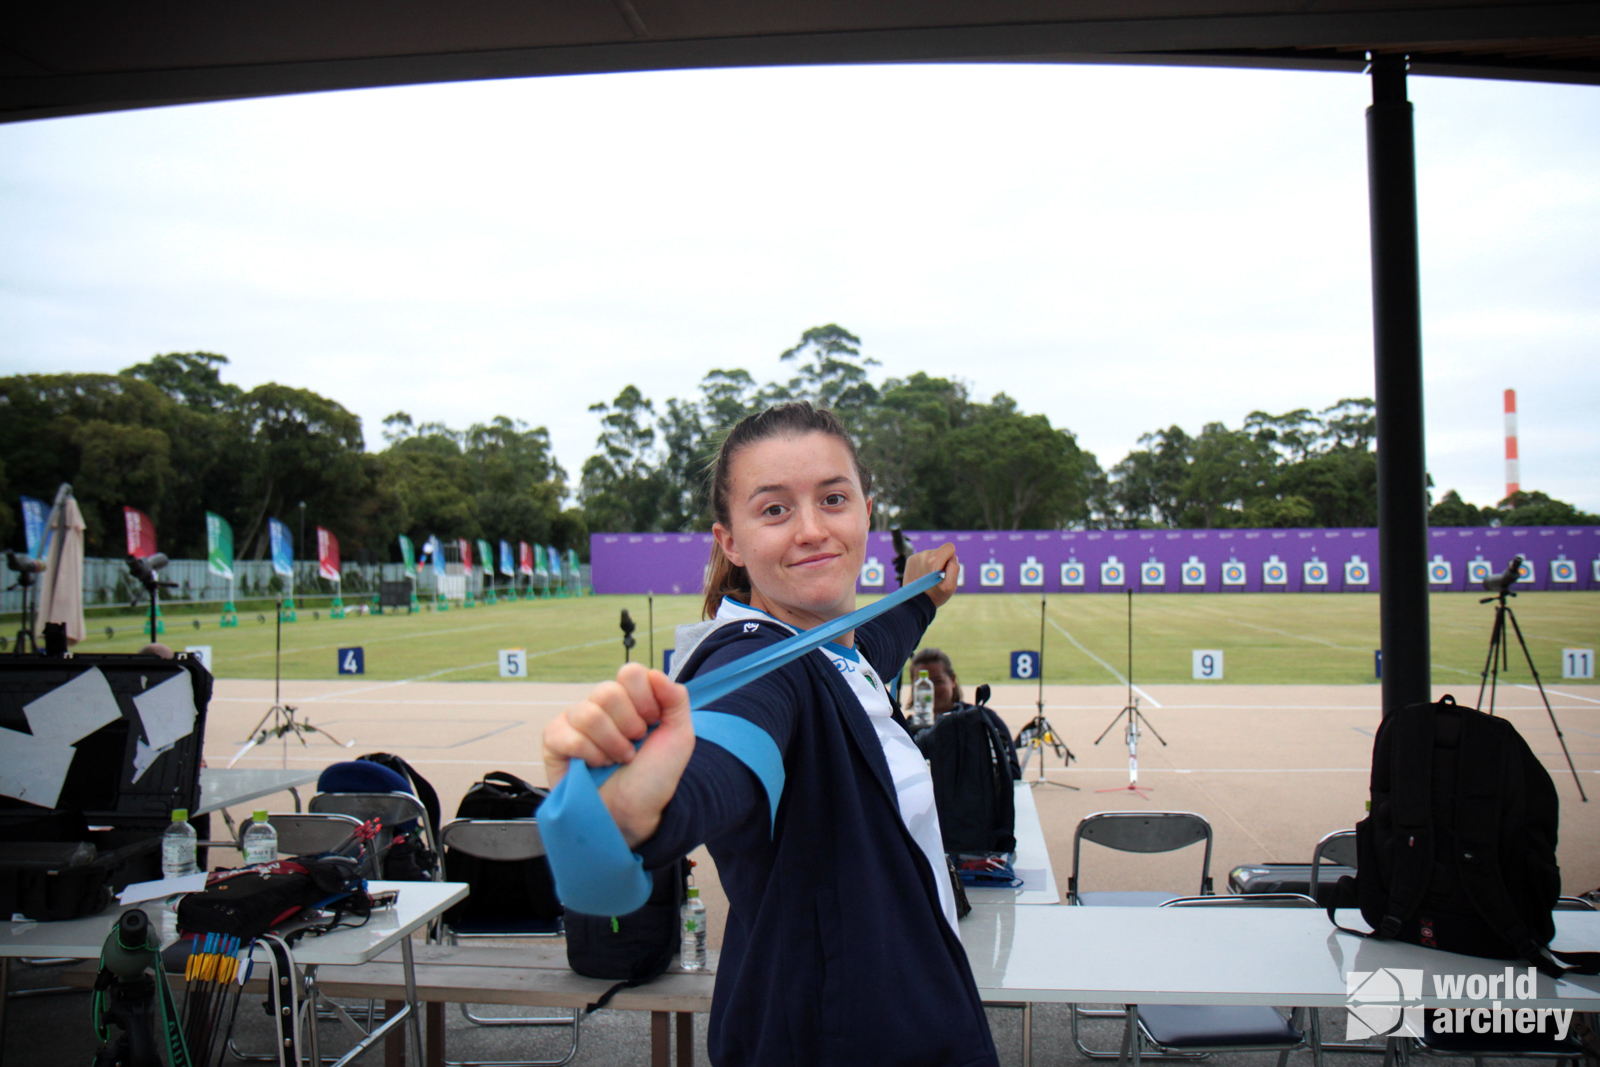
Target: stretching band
[(595, 872)]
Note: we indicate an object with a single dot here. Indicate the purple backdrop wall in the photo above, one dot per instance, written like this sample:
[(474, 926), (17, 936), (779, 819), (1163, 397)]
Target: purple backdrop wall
[(1173, 561)]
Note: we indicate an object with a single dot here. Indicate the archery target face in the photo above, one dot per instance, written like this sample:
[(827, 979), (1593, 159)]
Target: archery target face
[(1194, 573), (992, 574), (1525, 572), (1563, 570), (1031, 572), (1233, 573), (1315, 573), (1072, 573), (1112, 573), (1356, 573), (1479, 571), (1274, 572), (1597, 570), (1439, 572), (872, 572), (1153, 574)]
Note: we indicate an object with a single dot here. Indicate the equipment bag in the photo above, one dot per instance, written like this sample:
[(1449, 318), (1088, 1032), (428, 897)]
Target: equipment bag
[(1458, 851), (970, 759), (632, 948), (503, 891), (408, 859)]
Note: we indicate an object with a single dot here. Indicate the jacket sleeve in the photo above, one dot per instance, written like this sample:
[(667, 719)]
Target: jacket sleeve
[(718, 793)]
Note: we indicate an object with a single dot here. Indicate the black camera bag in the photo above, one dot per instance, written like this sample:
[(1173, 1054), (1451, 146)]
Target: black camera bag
[(970, 760), (1458, 851), (634, 948)]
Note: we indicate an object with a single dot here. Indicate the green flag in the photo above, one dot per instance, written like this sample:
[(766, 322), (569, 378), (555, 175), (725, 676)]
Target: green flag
[(408, 556), (219, 545), (486, 561)]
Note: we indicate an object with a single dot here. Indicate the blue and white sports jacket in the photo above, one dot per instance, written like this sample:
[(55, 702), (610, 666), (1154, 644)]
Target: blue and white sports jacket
[(835, 950)]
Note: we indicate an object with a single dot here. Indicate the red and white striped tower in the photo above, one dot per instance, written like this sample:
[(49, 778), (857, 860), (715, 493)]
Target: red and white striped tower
[(1513, 476)]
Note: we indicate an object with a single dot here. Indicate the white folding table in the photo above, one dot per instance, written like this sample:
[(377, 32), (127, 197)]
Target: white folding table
[(223, 787), (418, 904)]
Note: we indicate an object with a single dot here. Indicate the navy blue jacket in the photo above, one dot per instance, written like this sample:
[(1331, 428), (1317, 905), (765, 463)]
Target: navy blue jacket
[(835, 951)]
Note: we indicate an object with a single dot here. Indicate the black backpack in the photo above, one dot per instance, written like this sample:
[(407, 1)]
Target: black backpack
[(1458, 851), (634, 948), (971, 759), (503, 891)]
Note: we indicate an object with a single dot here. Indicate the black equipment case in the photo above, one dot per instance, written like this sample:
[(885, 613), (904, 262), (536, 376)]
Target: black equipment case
[(105, 829), (1288, 878)]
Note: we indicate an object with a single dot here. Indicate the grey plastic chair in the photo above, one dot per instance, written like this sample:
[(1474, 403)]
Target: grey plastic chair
[(1133, 831), (505, 841), (1174, 1029), (1337, 848), (1139, 831)]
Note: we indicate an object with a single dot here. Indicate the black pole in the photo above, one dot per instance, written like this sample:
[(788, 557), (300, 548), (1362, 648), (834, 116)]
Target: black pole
[(1397, 357)]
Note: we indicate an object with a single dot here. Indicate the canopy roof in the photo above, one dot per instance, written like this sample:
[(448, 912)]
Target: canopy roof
[(65, 59)]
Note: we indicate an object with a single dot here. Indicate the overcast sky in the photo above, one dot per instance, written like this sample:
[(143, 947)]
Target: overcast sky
[(1120, 249)]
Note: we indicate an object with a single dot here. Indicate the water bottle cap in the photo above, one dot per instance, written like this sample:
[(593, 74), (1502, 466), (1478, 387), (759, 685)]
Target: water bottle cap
[(259, 816), (694, 892), (921, 675), (180, 814)]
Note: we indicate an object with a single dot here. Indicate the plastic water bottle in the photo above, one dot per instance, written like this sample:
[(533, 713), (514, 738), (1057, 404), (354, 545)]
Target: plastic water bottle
[(922, 700), (692, 952), (260, 840), (178, 844)]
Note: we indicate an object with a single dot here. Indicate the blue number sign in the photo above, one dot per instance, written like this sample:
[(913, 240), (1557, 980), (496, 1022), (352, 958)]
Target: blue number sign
[(1026, 665), (352, 661)]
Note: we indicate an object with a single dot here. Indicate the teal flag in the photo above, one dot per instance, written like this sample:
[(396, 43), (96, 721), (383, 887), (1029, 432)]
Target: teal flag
[(486, 561), (541, 562), (219, 545), (408, 556)]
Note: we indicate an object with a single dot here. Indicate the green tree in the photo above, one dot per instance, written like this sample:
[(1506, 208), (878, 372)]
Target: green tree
[(622, 488), (193, 379), (832, 372), (1019, 471), (1533, 508), (1451, 510)]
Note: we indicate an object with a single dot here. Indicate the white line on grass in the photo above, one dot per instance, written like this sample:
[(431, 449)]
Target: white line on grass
[(1118, 675), (1319, 640), (1552, 692)]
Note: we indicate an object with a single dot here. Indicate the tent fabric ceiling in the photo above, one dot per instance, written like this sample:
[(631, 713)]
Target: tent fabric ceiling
[(101, 56)]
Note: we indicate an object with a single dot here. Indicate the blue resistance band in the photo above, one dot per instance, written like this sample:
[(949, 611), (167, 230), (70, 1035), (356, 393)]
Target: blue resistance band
[(595, 872)]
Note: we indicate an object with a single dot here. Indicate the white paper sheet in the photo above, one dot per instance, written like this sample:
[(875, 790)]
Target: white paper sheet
[(167, 711), (75, 710), (166, 887), (144, 756), (33, 768)]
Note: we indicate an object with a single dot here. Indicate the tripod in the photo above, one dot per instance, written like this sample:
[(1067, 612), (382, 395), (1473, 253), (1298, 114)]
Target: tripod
[(1500, 657), (281, 715), (1130, 730), (1038, 733), (25, 623)]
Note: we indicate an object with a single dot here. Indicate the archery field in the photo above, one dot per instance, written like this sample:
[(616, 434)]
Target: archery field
[(1264, 638)]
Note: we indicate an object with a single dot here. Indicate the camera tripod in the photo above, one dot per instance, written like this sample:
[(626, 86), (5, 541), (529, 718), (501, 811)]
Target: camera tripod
[(1130, 731), (29, 608), (1500, 658), (281, 715), (1038, 734)]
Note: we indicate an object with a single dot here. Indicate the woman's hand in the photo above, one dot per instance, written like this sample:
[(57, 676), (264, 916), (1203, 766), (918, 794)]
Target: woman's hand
[(942, 558), (602, 730)]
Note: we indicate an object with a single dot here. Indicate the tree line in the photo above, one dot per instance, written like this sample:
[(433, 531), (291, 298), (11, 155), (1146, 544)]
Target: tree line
[(172, 438)]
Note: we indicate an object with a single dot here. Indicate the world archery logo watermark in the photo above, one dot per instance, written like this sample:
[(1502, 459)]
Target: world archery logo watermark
[(1383, 1003), (1388, 1003)]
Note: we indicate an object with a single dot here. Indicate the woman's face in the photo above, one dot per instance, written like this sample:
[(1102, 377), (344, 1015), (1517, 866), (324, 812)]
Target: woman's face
[(797, 525)]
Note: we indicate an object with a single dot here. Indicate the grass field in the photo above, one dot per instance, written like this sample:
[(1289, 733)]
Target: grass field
[(1265, 638)]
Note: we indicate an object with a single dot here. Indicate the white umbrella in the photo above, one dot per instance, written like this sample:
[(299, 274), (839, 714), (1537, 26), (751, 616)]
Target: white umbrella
[(61, 585)]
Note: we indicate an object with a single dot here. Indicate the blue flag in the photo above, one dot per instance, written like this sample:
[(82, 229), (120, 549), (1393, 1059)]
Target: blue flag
[(508, 566), (282, 548), (35, 524), (555, 562), (435, 552)]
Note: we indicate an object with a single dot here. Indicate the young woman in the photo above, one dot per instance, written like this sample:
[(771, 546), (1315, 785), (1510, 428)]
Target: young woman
[(841, 943)]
